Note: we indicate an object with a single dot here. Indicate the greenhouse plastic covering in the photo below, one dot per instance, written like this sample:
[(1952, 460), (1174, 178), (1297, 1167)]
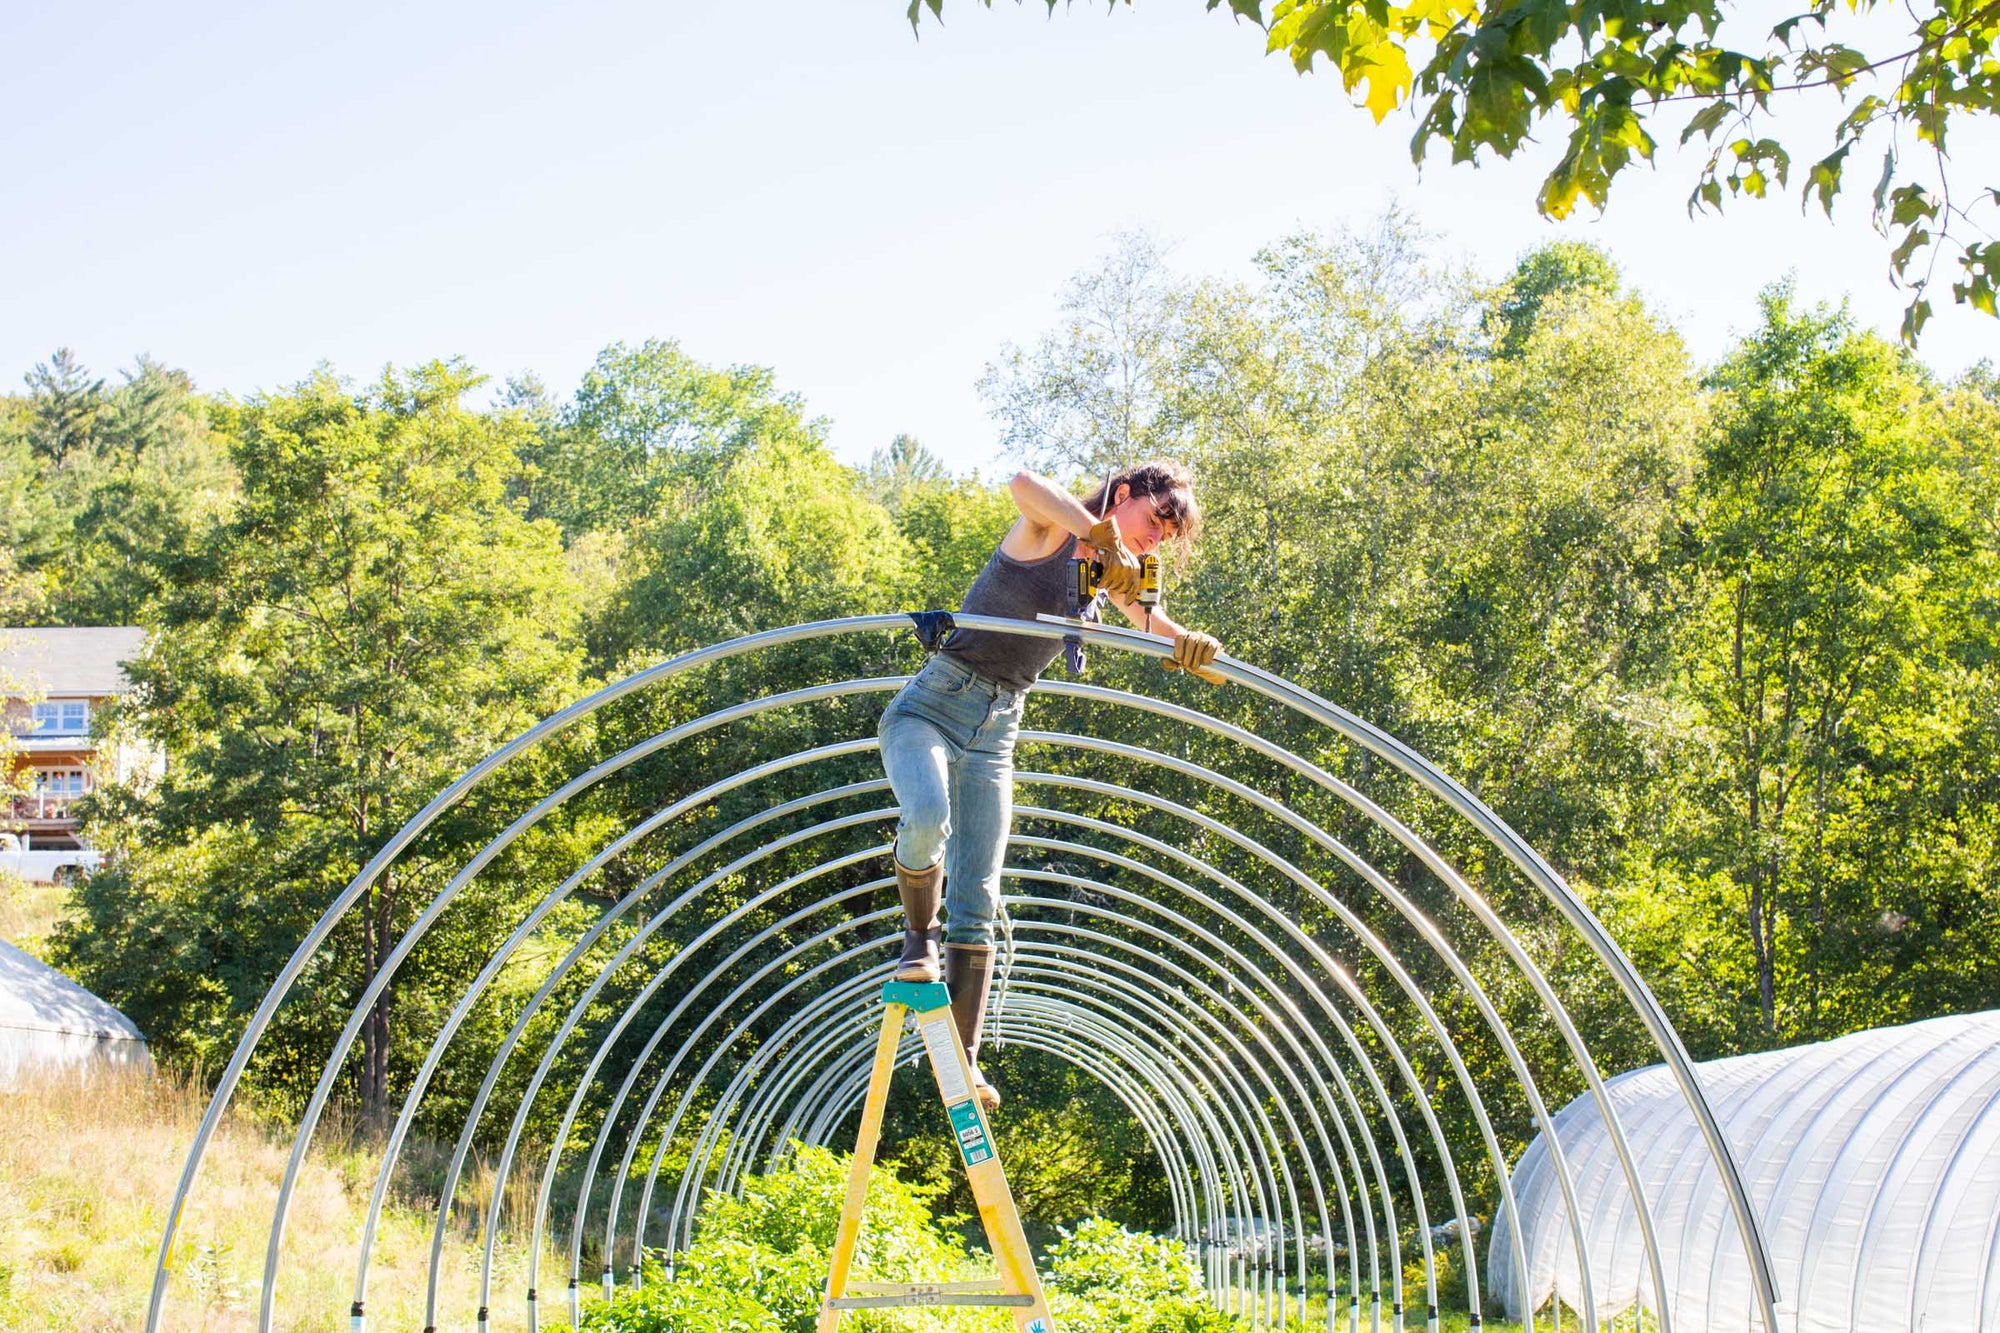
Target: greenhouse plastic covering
[(51, 1025), (1873, 1162)]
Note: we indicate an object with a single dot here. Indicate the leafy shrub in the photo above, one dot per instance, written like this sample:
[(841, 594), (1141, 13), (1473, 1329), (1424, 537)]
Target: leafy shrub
[(681, 1307), (759, 1262), (1105, 1279)]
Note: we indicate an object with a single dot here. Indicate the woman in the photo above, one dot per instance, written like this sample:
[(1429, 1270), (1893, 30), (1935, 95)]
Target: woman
[(948, 736)]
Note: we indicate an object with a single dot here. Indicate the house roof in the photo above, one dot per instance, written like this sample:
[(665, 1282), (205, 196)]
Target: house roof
[(57, 662)]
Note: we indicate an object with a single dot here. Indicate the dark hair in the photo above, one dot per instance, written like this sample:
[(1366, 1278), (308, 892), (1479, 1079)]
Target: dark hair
[(1170, 484)]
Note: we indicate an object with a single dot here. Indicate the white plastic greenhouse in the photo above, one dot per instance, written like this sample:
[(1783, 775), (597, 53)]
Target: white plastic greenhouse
[(51, 1025), (1873, 1162)]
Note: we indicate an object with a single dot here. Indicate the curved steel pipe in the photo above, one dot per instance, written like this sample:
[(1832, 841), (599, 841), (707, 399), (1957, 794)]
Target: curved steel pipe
[(1137, 1019), (1399, 1301), (667, 1135), (522, 933), (1322, 1094), (1331, 967), (1223, 1145), (1301, 701), (1175, 943), (850, 1070), (826, 1049), (1308, 982), (1189, 927), (1281, 1016), (846, 1030), (1029, 777), (848, 1033), (288, 975), (316, 1104), (1552, 1004), (1091, 1004), (1224, 1272), (795, 835), (1411, 913), (582, 1005), (758, 706), (1337, 975)]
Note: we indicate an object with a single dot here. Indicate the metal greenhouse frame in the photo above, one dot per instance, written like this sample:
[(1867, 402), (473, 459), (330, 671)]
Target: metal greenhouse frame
[(1192, 966)]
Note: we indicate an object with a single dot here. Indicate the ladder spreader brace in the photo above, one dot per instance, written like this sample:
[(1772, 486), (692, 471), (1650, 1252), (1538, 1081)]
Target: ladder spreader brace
[(1018, 1286)]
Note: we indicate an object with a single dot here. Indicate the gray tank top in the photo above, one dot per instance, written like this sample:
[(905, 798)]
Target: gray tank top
[(1018, 590)]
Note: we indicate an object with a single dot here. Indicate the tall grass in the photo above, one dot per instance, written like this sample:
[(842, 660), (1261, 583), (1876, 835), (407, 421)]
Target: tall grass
[(88, 1169), (28, 912)]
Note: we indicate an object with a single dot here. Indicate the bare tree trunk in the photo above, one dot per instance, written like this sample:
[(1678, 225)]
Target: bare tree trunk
[(379, 920), (1763, 925)]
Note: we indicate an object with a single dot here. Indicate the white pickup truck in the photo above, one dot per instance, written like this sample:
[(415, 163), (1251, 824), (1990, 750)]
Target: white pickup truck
[(50, 867)]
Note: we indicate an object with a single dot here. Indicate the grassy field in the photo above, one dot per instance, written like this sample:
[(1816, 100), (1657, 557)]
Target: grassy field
[(28, 913), (87, 1172)]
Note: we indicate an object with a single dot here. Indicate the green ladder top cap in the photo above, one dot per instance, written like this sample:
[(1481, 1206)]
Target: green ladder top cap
[(918, 995)]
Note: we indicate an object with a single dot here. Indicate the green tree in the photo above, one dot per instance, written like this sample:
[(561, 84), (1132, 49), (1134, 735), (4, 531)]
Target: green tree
[(161, 471), (951, 523), (1560, 266), (1467, 547), (952, 528), (93, 522), (900, 467), (777, 533), (1083, 399), (1981, 379), (1488, 75), (65, 403), (645, 429), (1841, 807), (734, 516), (371, 618)]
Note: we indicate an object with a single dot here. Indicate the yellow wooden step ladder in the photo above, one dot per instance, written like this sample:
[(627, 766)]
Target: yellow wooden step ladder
[(1018, 1287)]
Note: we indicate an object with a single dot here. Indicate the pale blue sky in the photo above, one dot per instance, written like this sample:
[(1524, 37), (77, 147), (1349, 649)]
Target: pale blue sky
[(244, 190)]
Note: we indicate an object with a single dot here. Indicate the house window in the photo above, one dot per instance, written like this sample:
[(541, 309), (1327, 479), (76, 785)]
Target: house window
[(59, 783), (55, 788), (63, 717)]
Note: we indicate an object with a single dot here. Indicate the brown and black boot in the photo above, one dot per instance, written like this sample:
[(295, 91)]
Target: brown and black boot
[(968, 975), (920, 891)]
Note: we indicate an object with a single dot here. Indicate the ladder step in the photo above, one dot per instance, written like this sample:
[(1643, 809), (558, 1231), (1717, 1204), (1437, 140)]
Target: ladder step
[(988, 1285), (927, 1293)]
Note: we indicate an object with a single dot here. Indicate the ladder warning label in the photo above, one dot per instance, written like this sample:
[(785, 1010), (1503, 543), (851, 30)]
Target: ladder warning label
[(941, 1045), (972, 1140), (1038, 1326)]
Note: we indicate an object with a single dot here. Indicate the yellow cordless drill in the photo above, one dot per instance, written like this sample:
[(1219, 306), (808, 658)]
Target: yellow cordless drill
[(1089, 575)]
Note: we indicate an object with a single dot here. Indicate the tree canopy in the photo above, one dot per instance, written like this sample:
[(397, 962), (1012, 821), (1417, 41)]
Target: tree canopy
[(1723, 643), (369, 618), (1613, 76)]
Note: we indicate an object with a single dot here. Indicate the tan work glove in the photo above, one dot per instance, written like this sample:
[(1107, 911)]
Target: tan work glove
[(1193, 651), (1121, 568)]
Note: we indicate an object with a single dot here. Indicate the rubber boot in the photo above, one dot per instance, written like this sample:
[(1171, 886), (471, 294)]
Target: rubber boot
[(920, 891), (968, 975)]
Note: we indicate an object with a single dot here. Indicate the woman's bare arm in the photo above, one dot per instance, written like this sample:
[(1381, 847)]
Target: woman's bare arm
[(1050, 517)]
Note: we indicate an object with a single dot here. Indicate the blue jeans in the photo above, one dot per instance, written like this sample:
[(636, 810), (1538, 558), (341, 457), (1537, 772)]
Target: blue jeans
[(948, 748)]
